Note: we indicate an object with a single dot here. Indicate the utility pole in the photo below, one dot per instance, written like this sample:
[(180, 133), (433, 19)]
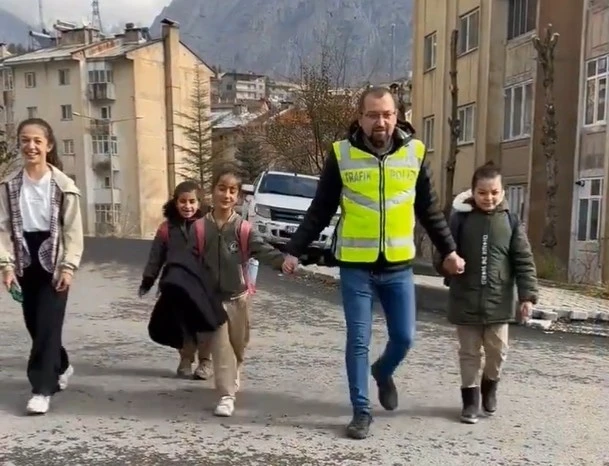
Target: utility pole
[(454, 124), (110, 123), (96, 16)]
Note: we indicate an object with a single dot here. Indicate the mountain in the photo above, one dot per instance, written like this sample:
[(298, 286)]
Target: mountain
[(272, 37), (12, 29)]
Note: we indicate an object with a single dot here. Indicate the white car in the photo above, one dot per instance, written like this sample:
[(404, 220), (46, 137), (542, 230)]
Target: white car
[(276, 205)]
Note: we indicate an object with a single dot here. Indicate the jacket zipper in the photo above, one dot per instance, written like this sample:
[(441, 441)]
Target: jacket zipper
[(382, 206)]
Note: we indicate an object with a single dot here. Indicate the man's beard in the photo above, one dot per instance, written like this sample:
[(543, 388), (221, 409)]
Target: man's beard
[(379, 138)]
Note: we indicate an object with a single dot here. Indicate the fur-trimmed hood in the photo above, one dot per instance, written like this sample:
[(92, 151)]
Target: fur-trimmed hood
[(464, 202)]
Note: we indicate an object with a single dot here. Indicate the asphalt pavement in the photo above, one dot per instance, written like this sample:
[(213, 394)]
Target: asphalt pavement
[(125, 407)]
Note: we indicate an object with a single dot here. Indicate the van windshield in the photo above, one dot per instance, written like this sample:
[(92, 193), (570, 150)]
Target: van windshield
[(288, 185)]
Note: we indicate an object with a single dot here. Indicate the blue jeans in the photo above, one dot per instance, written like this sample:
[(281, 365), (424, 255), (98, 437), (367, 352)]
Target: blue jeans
[(395, 291)]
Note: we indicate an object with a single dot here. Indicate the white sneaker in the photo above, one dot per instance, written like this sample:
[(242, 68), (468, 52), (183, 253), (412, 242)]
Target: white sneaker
[(65, 378), (225, 407), (38, 404)]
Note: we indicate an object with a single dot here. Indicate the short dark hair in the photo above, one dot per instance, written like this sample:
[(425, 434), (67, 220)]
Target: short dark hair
[(488, 171), (375, 91)]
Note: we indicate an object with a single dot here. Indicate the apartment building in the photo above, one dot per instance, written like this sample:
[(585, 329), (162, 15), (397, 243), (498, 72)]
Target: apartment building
[(589, 258), (501, 97), (234, 87), (7, 118), (115, 107)]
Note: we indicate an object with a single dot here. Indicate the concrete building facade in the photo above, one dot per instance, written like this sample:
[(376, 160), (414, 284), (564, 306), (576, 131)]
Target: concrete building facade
[(115, 107), (501, 98)]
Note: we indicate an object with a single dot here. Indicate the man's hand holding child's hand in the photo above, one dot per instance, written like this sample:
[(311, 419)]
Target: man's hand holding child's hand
[(454, 264)]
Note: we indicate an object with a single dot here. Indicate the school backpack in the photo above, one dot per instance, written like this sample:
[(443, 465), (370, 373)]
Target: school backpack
[(243, 229)]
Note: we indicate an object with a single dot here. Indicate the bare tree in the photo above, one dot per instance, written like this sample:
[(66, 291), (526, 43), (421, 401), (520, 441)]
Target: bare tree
[(322, 112), (198, 163), (454, 124), (9, 156), (545, 48)]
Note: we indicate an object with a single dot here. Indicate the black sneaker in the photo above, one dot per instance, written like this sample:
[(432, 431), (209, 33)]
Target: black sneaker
[(388, 393), (471, 405), (488, 389), (359, 427)]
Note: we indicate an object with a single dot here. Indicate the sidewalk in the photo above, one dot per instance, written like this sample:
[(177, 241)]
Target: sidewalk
[(555, 304)]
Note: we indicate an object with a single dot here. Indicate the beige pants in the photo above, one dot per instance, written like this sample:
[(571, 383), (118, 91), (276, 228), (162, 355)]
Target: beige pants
[(472, 340), (228, 346)]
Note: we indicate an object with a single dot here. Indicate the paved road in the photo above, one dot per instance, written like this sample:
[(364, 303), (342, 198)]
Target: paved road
[(124, 406)]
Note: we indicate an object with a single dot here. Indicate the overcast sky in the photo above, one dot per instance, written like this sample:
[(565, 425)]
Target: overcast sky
[(112, 11)]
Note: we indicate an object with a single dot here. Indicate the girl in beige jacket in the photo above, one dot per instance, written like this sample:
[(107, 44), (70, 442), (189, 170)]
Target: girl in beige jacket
[(41, 244)]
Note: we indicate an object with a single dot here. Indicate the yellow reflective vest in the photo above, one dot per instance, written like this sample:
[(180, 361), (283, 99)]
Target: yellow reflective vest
[(377, 203)]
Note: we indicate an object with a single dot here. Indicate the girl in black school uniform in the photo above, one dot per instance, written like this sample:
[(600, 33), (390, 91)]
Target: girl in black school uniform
[(177, 232)]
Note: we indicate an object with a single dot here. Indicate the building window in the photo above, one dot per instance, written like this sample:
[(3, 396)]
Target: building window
[(596, 91), (105, 113), (104, 145), (7, 79), (431, 42), (466, 117), (103, 213), (32, 112), (469, 25), (428, 132), (106, 182), (66, 112), (522, 17), (68, 147), (64, 77), (515, 195), (30, 79), (517, 111), (589, 211), (101, 76)]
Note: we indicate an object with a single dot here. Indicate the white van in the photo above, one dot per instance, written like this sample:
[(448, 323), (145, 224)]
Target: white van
[(276, 203)]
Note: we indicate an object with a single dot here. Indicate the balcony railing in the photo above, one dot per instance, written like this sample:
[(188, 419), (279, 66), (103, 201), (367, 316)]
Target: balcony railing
[(101, 91), (101, 163), (100, 128)]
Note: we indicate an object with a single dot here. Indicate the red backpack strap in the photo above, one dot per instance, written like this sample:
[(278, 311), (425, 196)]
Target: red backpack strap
[(200, 236), (163, 231), (244, 231)]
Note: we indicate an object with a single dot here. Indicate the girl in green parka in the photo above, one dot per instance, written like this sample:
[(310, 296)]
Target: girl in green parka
[(498, 260)]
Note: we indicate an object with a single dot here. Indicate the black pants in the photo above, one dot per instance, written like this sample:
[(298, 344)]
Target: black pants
[(44, 311)]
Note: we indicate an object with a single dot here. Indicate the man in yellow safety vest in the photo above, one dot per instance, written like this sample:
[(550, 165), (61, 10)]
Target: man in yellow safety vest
[(380, 179)]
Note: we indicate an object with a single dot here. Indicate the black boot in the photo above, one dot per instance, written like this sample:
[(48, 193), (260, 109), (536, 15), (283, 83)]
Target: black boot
[(359, 427), (388, 393), (488, 388), (471, 405)]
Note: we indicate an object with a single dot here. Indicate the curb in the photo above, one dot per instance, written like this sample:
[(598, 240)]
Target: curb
[(545, 319)]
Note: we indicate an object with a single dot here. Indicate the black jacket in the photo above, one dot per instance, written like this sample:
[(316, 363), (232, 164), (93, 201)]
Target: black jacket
[(188, 302), (327, 199), (180, 237)]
